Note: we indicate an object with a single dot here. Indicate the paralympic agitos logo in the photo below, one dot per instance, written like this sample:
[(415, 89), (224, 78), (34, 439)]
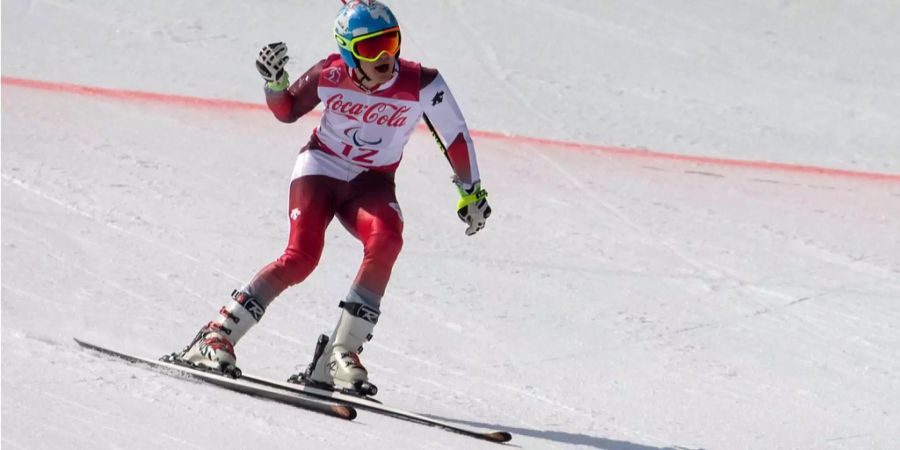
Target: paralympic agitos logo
[(353, 133), (380, 113)]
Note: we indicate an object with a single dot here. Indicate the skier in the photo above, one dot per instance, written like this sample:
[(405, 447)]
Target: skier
[(372, 103)]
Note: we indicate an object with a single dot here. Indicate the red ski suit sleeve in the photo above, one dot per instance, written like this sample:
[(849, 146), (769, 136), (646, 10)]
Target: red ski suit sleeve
[(298, 99)]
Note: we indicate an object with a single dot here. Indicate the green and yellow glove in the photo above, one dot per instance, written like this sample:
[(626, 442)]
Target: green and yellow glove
[(472, 208)]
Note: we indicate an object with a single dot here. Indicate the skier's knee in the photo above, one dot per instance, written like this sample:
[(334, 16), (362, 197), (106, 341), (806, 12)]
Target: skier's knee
[(384, 247), (297, 265)]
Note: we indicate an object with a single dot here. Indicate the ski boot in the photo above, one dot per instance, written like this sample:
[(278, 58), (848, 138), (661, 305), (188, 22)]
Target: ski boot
[(336, 365), (213, 347)]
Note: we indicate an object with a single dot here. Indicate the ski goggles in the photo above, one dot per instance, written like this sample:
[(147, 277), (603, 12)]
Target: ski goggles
[(370, 47)]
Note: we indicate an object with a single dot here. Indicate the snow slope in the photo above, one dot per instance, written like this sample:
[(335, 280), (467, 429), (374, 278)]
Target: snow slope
[(613, 302), (796, 81)]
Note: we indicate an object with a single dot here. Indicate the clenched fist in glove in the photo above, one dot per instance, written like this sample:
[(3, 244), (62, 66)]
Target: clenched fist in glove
[(270, 65), (473, 208)]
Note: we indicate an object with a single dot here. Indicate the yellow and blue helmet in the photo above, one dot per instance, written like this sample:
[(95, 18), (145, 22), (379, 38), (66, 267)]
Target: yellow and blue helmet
[(365, 30)]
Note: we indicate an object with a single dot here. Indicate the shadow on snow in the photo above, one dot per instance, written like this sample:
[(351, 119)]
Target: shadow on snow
[(561, 436)]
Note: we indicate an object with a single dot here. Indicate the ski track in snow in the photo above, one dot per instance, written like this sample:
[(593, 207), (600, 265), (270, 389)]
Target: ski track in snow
[(86, 214), (497, 71)]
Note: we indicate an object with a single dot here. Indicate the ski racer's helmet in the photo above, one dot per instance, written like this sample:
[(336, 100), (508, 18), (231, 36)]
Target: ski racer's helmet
[(364, 30)]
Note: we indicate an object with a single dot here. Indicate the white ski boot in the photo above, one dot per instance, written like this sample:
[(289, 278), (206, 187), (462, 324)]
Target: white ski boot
[(337, 365), (213, 347)]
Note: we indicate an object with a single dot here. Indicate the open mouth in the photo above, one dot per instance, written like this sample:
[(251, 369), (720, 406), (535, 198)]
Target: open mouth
[(383, 68)]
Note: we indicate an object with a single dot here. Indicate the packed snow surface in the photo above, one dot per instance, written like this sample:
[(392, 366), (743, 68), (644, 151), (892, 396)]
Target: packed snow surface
[(612, 302)]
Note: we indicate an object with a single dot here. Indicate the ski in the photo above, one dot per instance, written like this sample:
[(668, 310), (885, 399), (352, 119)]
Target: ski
[(379, 408), (255, 389)]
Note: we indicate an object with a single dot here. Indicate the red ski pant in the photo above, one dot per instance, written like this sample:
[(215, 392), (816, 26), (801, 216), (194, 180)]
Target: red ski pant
[(368, 209)]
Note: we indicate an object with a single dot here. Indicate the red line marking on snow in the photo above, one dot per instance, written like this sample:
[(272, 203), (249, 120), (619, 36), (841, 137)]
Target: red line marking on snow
[(124, 94), (652, 154), (142, 96)]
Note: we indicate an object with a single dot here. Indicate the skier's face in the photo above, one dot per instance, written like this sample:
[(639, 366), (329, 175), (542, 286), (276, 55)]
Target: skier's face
[(381, 70)]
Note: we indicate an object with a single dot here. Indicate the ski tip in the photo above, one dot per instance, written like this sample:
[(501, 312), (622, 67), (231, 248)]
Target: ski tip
[(85, 344), (498, 436), (344, 412)]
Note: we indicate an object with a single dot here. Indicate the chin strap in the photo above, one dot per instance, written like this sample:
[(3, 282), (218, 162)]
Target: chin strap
[(360, 76), (360, 69)]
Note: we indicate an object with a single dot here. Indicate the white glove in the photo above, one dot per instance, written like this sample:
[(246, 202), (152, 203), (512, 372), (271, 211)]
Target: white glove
[(270, 64), (473, 208)]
